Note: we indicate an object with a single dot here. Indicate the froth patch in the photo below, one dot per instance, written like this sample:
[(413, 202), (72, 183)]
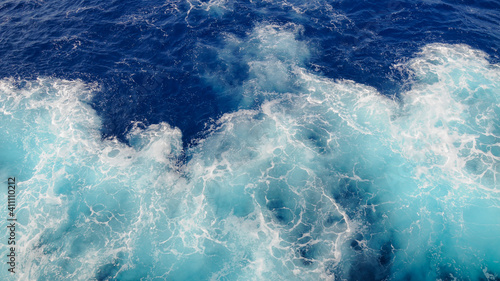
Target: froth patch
[(453, 113), (260, 66), (77, 192)]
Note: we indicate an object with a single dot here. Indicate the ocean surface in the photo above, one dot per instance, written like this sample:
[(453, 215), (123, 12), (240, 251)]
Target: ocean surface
[(250, 140)]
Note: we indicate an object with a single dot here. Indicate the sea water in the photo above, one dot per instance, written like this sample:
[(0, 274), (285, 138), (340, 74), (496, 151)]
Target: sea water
[(306, 174)]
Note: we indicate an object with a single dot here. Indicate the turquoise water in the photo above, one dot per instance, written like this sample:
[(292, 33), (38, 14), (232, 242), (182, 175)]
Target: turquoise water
[(310, 178)]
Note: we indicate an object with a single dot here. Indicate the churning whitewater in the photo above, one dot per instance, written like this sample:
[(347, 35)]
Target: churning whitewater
[(310, 179)]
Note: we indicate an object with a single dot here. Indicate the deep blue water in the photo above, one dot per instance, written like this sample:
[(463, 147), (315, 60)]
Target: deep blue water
[(252, 140)]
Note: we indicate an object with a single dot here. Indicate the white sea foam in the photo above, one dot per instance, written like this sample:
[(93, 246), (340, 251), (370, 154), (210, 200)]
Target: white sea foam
[(315, 179)]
